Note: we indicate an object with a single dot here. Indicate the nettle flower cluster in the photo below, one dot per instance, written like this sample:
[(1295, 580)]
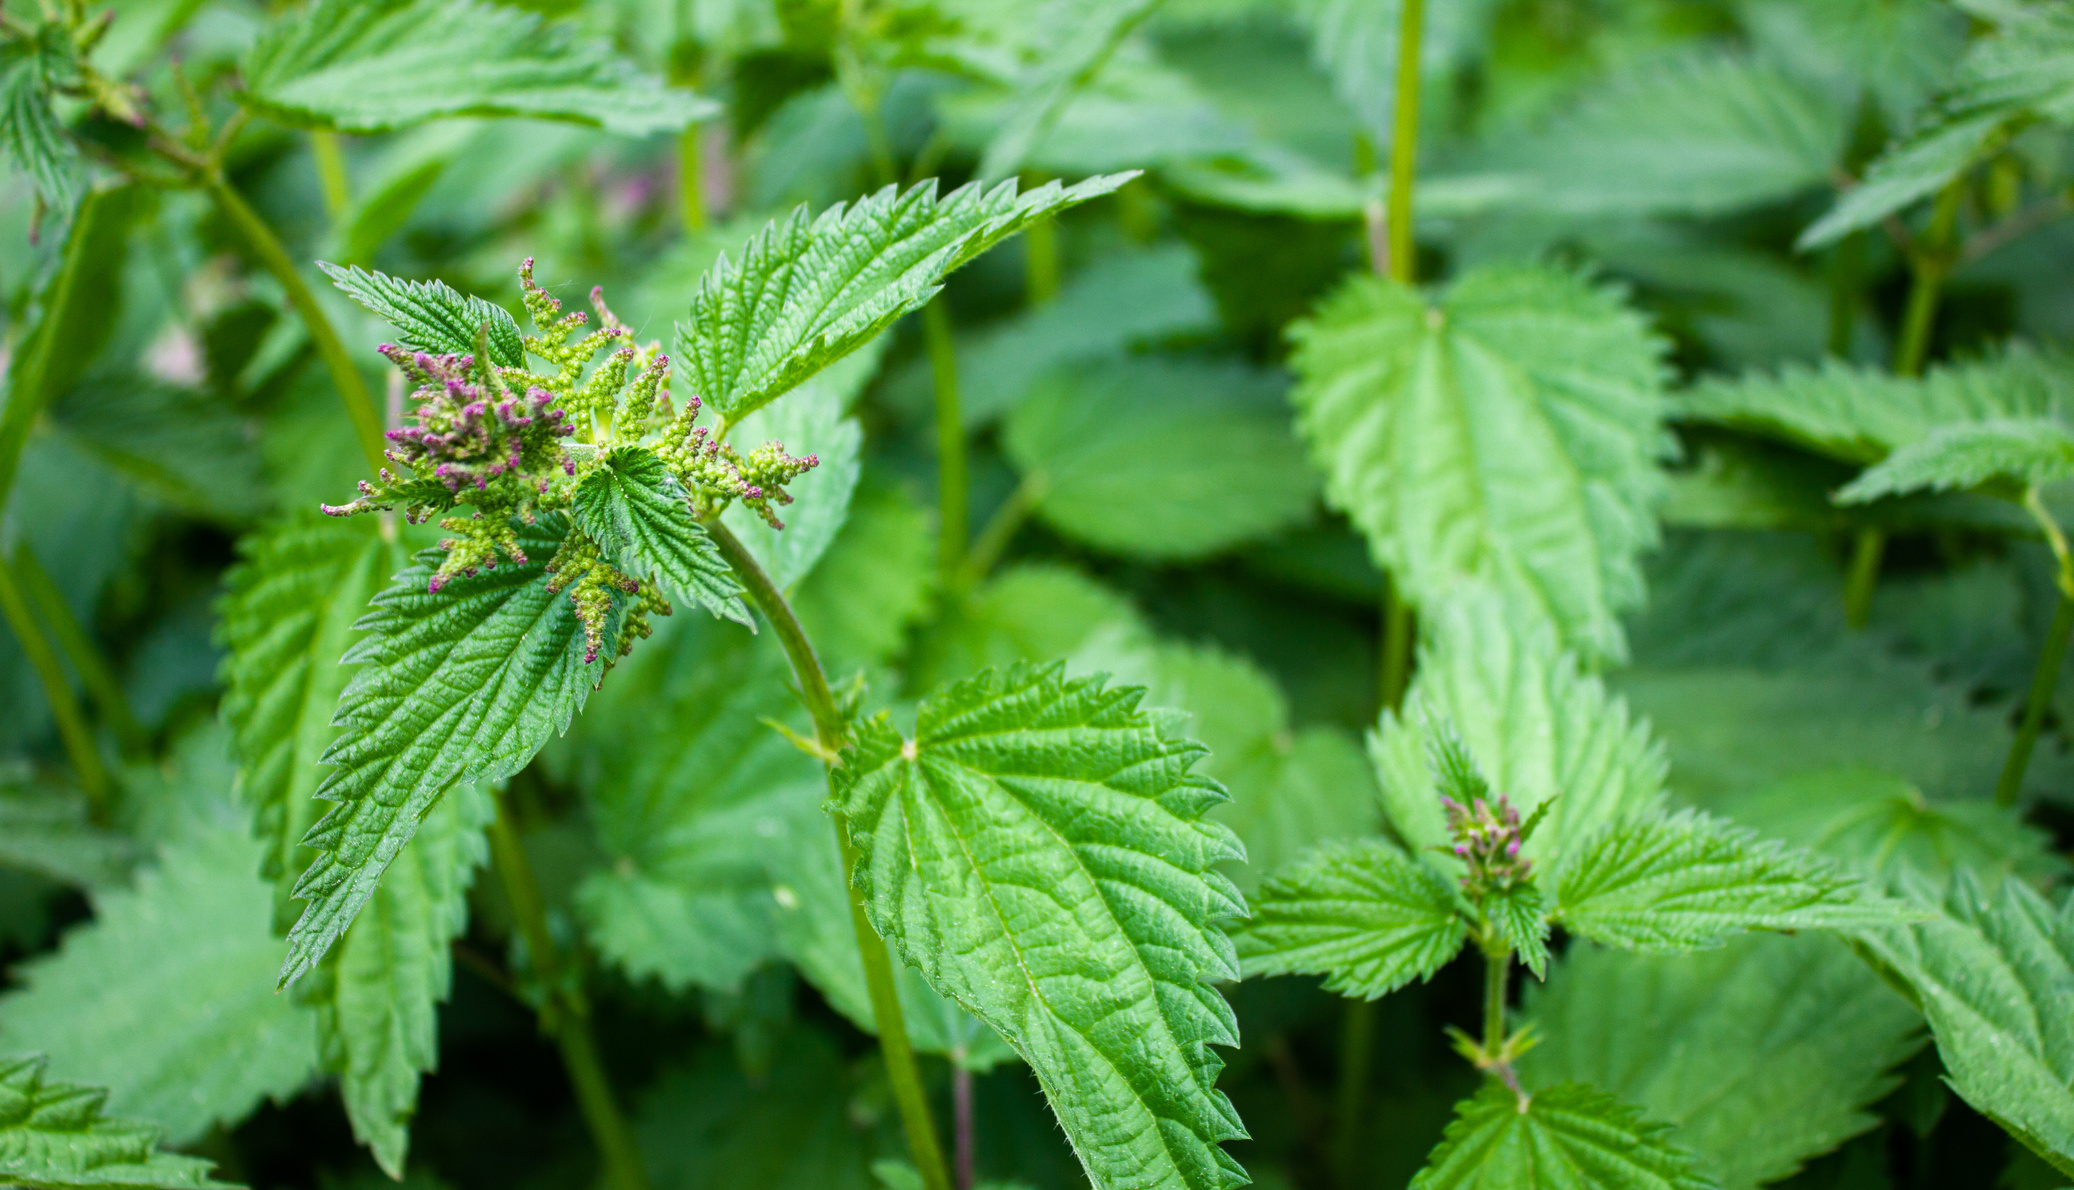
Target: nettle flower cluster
[(1487, 833), (492, 447)]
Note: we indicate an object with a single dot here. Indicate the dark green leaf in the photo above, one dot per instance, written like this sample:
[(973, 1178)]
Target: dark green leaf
[(54, 1137), (633, 507), (430, 316), (1568, 1137)]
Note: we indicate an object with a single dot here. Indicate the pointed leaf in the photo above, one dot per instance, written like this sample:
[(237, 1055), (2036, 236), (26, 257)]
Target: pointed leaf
[(30, 132), (1038, 851), (633, 507), (1520, 920), (430, 316), (1509, 431), (2030, 452), (1361, 913), (1568, 1137), (54, 1137)]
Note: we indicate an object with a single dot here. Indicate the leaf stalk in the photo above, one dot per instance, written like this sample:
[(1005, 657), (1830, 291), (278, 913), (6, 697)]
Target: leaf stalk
[(57, 691), (2045, 679), (93, 669)]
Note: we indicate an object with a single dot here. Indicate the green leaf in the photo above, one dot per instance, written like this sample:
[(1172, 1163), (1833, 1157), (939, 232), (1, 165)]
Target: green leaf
[(1362, 913), (707, 1124), (1884, 825), (1687, 881), (377, 995), (179, 444), (164, 995), (1520, 920), (807, 292), (286, 619), (2030, 452), (1037, 850), (2011, 77), (1029, 612), (1994, 972), (35, 140), (1765, 1053), (633, 507), (1694, 134), (1160, 458), (375, 65), (812, 422), (1076, 38), (1568, 1137), (874, 582), (1509, 432), (1540, 731), (463, 685), (430, 316), (1355, 41), (46, 831), (54, 1137)]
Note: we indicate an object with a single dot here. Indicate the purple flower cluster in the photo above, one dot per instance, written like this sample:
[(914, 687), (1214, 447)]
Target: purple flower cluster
[(716, 475), (1488, 837), (467, 434)]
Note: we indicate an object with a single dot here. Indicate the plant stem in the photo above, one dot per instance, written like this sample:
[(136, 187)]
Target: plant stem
[(1932, 262), (1397, 634), (563, 1015), (1864, 576), (331, 172), (950, 447), (1846, 265), (93, 669), (1041, 261), (367, 423), (903, 1073), (961, 1116), (1497, 971), (691, 178), (28, 376), (1001, 528), (1356, 1045), (57, 690), (2043, 682), (1404, 143)]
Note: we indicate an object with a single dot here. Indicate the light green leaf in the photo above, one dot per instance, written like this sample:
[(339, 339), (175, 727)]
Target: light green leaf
[(2032, 451), (463, 685), (54, 1137), (1520, 920), (1994, 973), (34, 139), (1764, 1053), (1510, 432), (1695, 134), (807, 292), (1540, 731), (633, 507), (1075, 38), (810, 421), (1038, 851), (874, 581), (1675, 882), (1356, 43), (375, 65), (46, 831), (164, 995), (1896, 52), (1160, 458), (1028, 612), (1362, 913), (2011, 77), (431, 316), (1568, 1137), (377, 994), (286, 619)]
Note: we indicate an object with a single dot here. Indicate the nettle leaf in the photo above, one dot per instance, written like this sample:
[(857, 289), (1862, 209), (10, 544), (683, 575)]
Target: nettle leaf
[(2010, 78), (48, 831), (1074, 39), (377, 994), (1038, 851), (30, 132), (1540, 731), (810, 421), (1765, 1053), (375, 65), (785, 1128), (1994, 973), (464, 685), (1695, 134), (807, 292), (1686, 881), (1510, 431), (286, 619), (54, 1137), (2031, 451), (633, 507), (1520, 920), (1362, 913), (1160, 457), (1568, 1137), (164, 995), (432, 316)]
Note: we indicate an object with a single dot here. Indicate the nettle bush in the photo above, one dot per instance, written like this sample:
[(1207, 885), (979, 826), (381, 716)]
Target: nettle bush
[(1552, 408)]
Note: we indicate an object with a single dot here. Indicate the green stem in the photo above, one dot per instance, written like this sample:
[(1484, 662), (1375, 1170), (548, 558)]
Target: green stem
[(1497, 971), (1397, 634), (28, 377), (1864, 576), (691, 178), (1404, 143), (2043, 682), (950, 446), (1001, 528), (903, 1073), (564, 1015), (92, 668), (1846, 265), (1041, 261), (1356, 1045), (72, 728), (1932, 263), (367, 423), (331, 172)]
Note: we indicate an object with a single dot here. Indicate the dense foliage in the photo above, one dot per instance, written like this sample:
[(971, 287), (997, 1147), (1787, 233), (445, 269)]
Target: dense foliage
[(828, 594)]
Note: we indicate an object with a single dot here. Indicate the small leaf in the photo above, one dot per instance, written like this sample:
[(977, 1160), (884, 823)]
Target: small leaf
[(54, 1137), (1037, 850), (1361, 913), (1568, 1137), (430, 316), (464, 685), (1075, 40), (32, 135), (2030, 452), (375, 65), (1520, 920), (633, 507), (807, 292), (1673, 882)]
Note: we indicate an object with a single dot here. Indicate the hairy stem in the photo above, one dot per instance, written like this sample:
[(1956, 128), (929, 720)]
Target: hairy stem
[(1356, 1045), (331, 172), (1404, 142), (72, 728), (903, 1073), (93, 669), (1864, 576), (367, 423), (564, 1016), (950, 447)]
